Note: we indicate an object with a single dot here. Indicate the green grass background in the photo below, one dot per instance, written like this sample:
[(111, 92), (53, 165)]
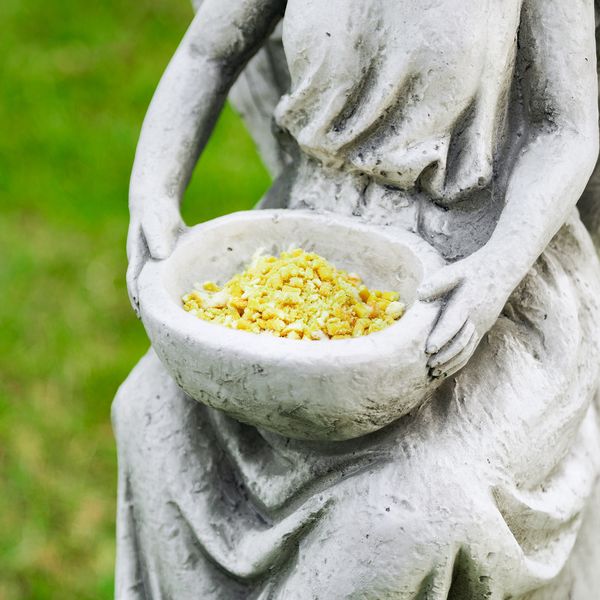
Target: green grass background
[(75, 82)]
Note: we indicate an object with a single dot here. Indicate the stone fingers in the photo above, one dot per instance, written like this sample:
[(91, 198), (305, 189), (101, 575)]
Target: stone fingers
[(456, 363), (454, 346)]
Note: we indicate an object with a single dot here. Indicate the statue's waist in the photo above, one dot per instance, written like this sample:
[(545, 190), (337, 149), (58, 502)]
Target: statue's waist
[(455, 231)]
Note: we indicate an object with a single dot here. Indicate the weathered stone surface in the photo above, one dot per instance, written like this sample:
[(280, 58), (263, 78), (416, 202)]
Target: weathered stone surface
[(472, 125)]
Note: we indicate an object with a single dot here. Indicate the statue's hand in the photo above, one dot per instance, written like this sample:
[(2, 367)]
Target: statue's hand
[(152, 233), (475, 295)]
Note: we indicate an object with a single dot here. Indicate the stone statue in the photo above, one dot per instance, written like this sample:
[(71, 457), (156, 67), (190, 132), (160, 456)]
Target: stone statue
[(475, 125)]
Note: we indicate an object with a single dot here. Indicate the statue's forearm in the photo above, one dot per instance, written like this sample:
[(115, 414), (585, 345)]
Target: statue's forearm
[(179, 121), (546, 182), (182, 114), (559, 85)]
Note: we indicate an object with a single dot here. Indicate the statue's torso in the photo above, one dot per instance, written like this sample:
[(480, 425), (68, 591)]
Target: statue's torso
[(396, 90)]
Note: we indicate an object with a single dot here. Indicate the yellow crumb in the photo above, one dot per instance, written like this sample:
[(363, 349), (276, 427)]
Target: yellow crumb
[(298, 295)]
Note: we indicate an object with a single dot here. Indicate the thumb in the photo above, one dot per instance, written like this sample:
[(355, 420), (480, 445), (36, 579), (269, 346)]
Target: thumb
[(161, 232), (137, 254), (439, 284)]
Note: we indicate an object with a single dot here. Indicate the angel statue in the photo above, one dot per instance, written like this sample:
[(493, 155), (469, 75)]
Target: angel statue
[(474, 124)]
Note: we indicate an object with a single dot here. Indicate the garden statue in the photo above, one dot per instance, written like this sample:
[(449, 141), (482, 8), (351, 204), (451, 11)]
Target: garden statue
[(465, 132)]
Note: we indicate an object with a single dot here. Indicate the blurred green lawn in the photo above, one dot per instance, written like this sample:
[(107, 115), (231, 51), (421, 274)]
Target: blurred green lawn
[(76, 80)]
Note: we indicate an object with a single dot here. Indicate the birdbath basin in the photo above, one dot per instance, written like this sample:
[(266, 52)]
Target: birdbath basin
[(320, 390)]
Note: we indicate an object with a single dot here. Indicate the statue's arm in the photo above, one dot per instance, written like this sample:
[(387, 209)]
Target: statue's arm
[(558, 59), (221, 39), (555, 164), (589, 203)]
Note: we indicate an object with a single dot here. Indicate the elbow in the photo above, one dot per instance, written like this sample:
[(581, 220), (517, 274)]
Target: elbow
[(581, 149), (583, 153), (586, 148), (583, 139), (578, 144), (223, 46), (570, 132), (594, 148)]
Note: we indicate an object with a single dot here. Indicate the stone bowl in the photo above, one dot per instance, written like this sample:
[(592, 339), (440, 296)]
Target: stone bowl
[(319, 390)]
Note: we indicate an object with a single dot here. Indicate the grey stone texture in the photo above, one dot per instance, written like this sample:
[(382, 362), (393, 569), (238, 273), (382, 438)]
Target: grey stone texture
[(460, 135)]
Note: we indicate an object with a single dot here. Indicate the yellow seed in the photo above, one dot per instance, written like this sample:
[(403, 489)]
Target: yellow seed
[(218, 300), (391, 296), (298, 295), (210, 286), (275, 324), (325, 272), (239, 303), (297, 326), (337, 327), (395, 310), (235, 289), (360, 327), (362, 310), (326, 289), (275, 282), (289, 289), (363, 293)]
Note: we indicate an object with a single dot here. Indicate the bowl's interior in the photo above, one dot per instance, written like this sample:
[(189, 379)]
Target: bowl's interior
[(226, 248)]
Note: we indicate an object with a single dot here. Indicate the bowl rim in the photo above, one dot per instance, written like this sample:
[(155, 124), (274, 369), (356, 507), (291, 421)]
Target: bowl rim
[(158, 307)]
